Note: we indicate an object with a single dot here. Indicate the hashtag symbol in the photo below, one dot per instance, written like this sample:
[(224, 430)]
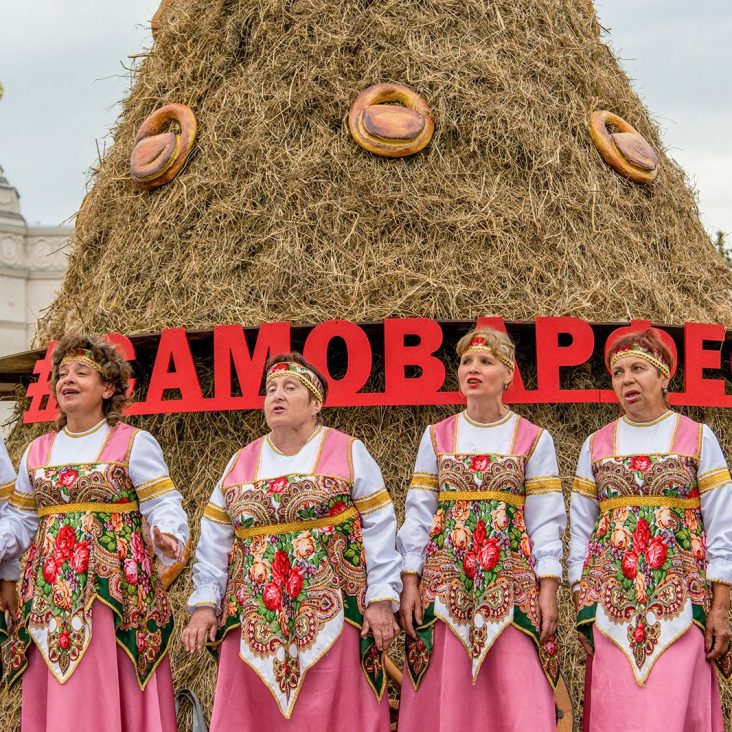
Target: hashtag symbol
[(43, 406)]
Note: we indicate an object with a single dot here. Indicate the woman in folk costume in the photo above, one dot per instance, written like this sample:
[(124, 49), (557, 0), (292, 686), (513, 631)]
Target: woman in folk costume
[(9, 568), (651, 556), (297, 576), (481, 547), (95, 622)]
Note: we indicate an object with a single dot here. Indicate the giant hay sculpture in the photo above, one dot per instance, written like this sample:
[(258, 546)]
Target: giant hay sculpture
[(279, 215)]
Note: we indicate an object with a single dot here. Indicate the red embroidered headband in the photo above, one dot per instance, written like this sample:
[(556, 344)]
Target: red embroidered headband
[(637, 351), (501, 351), (82, 355), (303, 374)]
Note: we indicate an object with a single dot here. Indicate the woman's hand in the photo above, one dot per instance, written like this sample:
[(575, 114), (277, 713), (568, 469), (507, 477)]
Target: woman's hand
[(589, 650), (717, 631), (410, 605), (9, 597), (167, 545), (548, 608), (379, 621), (201, 626)]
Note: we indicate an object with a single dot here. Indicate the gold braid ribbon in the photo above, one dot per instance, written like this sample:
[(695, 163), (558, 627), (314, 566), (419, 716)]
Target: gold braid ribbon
[(128, 507), (292, 526), (649, 502)]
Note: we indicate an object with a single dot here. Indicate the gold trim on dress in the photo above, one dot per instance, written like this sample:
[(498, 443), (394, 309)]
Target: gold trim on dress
[(23, 501), (275, 449), (90, 431), (216, 514), (713, 479), (6, 490), (497, 423), (543, 484), (292, 526), (653, 422), (504, 497), (584, 487), (91, 506), (649, 501), (154, 488), (373, 502), (425, 482)]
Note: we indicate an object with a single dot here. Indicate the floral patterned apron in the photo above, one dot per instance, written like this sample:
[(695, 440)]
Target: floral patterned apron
[(643, 584), (89, 547), (478, 575), (297, 569)]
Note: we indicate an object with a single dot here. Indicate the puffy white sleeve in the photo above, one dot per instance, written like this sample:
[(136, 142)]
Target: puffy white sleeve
[(544, 512), (161, 505), (583, 511), (9, 568), (18, 522), (715, 489), (378, 522), (211, 567), (420, 509)]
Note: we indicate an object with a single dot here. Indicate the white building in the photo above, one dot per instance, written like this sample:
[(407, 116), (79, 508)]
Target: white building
[(33, 260), (32, 264)]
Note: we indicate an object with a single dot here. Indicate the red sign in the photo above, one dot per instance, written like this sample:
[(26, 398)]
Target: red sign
[(399, 362)]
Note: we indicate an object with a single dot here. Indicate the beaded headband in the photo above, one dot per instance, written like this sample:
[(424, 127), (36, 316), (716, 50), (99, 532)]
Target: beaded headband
[(83, 355), (480, 344), (303, 374), (637, 351)]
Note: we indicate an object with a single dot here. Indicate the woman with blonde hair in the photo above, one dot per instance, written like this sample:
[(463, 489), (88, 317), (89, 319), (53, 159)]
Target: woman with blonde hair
[(296, 576), (481, 560), (651, 555), (95, 623)]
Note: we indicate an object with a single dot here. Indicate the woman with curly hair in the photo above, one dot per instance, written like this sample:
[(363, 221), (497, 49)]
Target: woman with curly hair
[(296, 574), (481, 549), (95, 623), (651, 555)]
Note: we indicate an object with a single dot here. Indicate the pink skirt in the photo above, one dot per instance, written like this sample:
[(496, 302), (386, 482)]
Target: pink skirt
[(511, 693), (681, 693), (335, 694), (102, 692)]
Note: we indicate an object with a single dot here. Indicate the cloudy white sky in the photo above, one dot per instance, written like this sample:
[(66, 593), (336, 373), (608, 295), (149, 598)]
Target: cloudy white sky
[(62, 67)]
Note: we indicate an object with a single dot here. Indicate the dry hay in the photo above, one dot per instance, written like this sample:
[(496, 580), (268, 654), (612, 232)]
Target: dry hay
[(279, 215)]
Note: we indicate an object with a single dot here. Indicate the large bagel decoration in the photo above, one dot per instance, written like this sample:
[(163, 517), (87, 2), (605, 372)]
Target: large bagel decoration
[(391, 120), (159, 156), (625, 151)]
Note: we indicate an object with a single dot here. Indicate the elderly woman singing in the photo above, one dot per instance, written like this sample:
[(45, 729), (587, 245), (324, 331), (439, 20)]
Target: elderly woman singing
[(95, 622), (481, 547), (651, 555), (297, 576)]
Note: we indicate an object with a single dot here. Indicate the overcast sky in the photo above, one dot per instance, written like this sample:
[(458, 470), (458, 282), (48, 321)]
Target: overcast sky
[(62, 68)]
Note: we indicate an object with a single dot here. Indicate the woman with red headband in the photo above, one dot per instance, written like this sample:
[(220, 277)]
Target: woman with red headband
[(651, 555), (296, 572), (95, 622), (481, 549)]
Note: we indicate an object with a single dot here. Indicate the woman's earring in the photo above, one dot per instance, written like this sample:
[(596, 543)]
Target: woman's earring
[(664, 389)]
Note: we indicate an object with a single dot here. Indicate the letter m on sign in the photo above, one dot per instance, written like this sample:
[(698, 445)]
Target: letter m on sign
[(231, 348)]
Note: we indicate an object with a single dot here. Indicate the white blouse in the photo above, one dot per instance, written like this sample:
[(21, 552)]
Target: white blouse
[(160, 508), (210, 571), (655, 437), (9, 568), (544, 512)]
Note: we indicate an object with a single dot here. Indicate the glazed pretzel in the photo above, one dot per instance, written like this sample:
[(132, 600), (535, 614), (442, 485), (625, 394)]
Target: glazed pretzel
[(159, 156), (385, 129), (626, 151)]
